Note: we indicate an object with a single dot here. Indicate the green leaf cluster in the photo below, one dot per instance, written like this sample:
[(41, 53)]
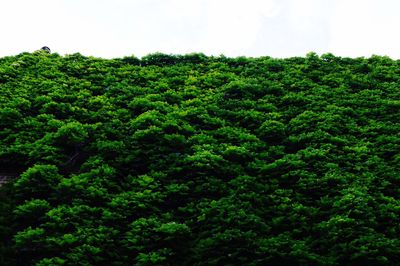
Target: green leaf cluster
[(196, 160)]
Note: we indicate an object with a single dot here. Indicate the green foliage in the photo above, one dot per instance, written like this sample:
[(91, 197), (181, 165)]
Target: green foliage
[(196, 160)]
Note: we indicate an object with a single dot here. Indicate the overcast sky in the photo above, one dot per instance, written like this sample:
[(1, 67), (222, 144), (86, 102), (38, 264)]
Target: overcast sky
[(278, 28)]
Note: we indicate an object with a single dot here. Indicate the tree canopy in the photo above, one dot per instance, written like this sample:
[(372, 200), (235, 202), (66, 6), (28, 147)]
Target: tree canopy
[(197, 160)]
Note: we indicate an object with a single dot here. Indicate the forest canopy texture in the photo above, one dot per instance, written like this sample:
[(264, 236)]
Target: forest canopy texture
[(196, 160)]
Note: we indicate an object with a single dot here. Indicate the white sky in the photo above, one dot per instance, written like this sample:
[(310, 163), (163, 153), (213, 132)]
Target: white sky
[(278, 28)]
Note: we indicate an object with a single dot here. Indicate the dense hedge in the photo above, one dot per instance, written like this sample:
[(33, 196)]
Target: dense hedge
[(196, 160)]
